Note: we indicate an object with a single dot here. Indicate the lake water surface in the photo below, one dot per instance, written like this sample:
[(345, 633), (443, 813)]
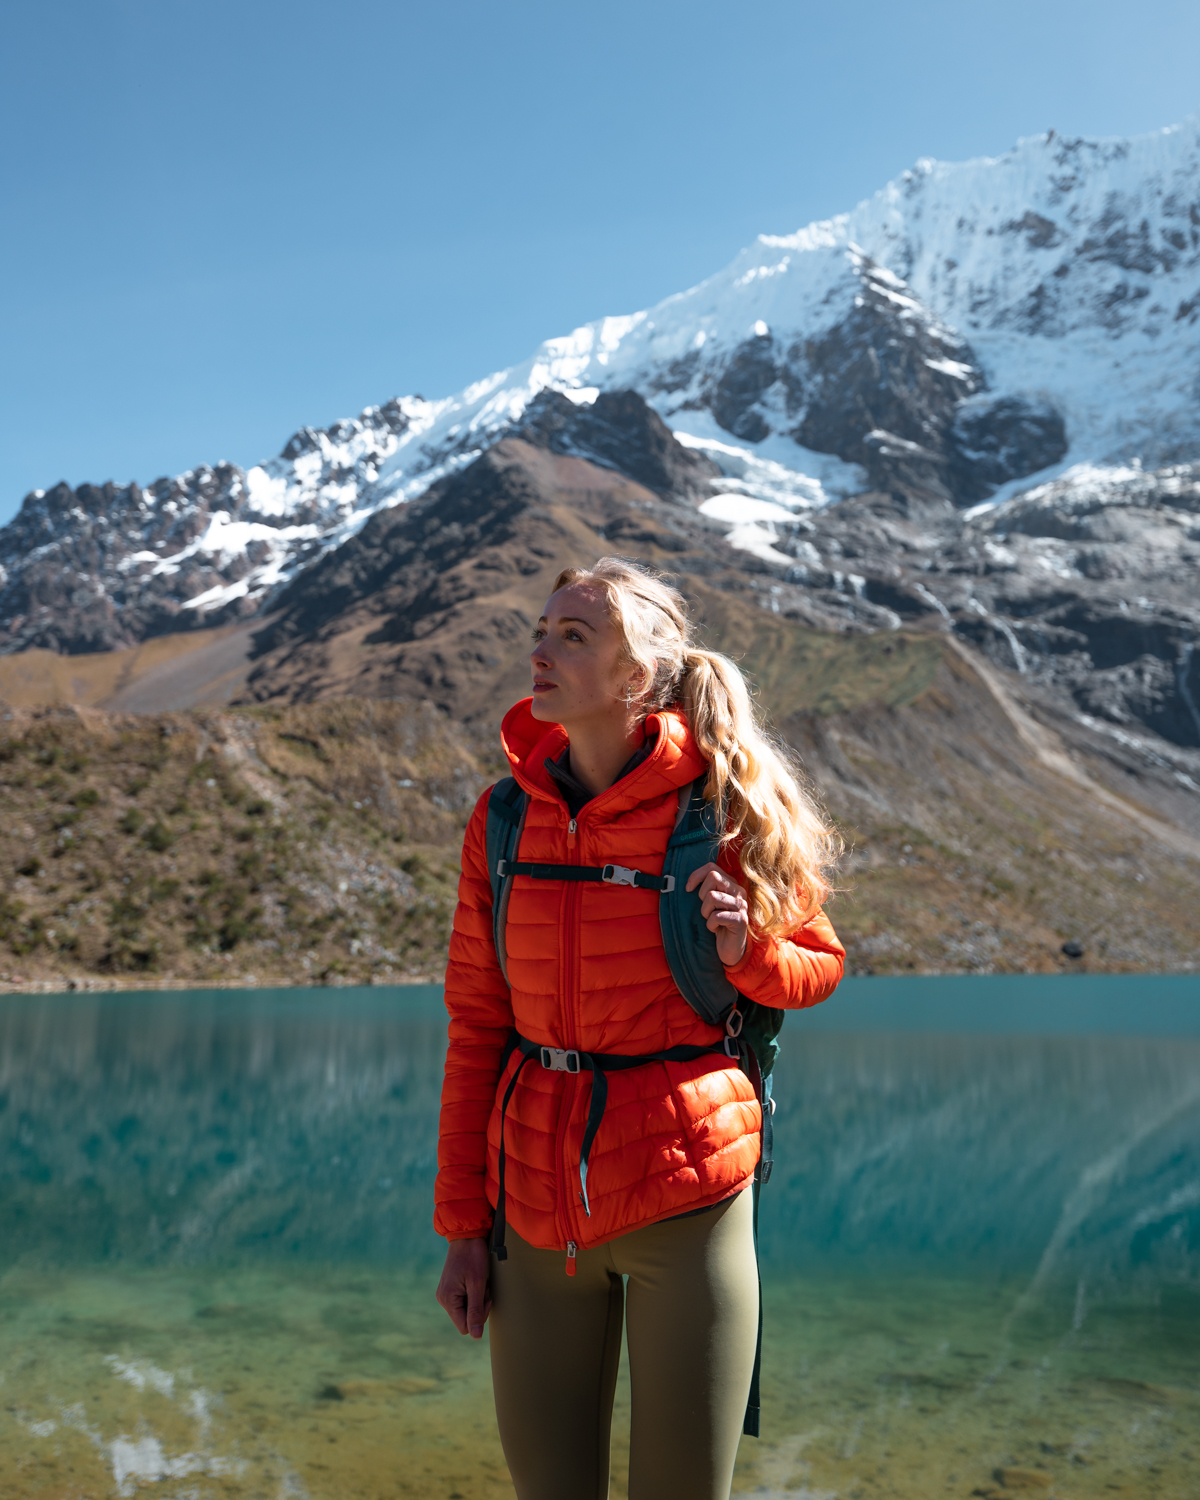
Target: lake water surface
[(981, 1248)]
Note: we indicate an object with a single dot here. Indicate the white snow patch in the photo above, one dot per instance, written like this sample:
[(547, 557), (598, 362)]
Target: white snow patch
[(952, 367), (739, 509), (776, 469)]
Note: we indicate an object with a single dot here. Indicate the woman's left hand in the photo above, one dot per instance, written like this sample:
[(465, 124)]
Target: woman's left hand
[(725, 908)]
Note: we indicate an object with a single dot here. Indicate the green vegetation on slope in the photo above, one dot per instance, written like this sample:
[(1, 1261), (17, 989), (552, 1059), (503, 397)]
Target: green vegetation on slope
[(796, 670), (310, 843)]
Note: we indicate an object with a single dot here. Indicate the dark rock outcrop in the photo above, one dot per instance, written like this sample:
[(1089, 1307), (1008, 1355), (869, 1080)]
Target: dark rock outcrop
[(753, 368), (891, 388), (883, 388), (81, 566), (1002, 440), (618, 431)]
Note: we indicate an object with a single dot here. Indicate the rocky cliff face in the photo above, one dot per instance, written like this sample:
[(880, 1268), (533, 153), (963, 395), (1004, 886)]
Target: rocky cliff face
[(104, 566), (1085, 587)]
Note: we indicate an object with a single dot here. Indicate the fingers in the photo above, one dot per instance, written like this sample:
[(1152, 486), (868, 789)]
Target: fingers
[(464, 1289), (717, 888), (703, 873), (725, 908), (451, 1297), (717, 921), (723, 903), (478, 1307)]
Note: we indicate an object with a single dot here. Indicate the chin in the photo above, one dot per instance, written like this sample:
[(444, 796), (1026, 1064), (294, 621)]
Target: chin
[(541, 709)]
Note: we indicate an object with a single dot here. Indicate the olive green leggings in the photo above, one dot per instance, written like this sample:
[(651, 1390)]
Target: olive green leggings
[(693, 1326)]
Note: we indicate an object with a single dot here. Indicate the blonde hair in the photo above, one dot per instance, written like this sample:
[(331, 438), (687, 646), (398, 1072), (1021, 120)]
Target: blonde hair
[(786, 848)]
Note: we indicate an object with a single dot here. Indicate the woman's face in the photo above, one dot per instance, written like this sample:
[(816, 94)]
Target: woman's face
[(579, 669)]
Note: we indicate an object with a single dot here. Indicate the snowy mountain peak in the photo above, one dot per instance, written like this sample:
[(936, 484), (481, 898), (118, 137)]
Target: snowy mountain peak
[(970, 331), (1055, 236)]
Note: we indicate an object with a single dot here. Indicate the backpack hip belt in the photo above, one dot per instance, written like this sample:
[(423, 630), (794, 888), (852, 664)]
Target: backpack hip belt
[(599, 1064)]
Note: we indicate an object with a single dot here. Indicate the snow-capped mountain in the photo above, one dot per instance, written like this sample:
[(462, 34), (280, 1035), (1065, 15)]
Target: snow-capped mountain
[(970, 332), (1061, 280)]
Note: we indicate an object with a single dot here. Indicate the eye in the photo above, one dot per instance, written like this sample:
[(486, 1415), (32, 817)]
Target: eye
[(538, 635), (573, 635)]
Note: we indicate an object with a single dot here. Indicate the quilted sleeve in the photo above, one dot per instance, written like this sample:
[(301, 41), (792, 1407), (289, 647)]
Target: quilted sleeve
[(789, 972), (481, 1017)]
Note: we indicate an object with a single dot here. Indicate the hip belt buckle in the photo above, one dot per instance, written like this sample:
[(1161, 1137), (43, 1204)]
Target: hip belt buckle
[(618, 875), (560, 1060)]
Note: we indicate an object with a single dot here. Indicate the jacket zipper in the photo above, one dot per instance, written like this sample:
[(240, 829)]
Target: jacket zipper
[(569, 1039)]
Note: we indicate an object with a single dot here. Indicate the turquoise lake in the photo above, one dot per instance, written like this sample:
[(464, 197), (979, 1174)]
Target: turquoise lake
[(980, 1247)]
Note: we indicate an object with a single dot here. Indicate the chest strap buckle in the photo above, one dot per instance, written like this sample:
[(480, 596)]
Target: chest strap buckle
[(560, 1060), (619, 875)]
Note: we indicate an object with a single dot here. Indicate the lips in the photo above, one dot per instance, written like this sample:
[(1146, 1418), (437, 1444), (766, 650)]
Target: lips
[(542, 686)]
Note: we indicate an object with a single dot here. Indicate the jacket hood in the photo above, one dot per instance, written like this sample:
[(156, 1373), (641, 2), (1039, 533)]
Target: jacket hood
[(674, 762)]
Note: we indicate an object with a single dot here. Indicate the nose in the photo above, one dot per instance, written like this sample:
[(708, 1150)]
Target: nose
[(539, 655)]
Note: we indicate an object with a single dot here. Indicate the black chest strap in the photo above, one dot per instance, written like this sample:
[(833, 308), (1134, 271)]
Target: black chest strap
[(609, 874)]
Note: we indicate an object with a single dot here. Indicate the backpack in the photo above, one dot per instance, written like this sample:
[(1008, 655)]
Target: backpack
[(690, 948)]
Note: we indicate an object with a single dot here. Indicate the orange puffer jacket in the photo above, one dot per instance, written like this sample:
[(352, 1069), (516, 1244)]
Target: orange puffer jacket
[(588, 971)]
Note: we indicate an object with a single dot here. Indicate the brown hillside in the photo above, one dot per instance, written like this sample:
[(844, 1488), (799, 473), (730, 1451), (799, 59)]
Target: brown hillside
[(190, 669), (436, 599), (319, 843), (974, 849)]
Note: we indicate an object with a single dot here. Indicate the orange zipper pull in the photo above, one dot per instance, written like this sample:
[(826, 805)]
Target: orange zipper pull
[(570, 1257), (571, 827)]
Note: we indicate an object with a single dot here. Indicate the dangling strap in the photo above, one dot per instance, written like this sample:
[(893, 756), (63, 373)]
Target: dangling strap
[(510, 1047), (750, 1421), (602, 1063), (762, 1088)]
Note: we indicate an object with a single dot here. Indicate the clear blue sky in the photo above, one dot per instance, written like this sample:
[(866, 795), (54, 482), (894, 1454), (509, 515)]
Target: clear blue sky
[(226, 218)]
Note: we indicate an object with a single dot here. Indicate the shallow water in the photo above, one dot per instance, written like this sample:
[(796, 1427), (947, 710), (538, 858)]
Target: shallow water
[(981, 1250)]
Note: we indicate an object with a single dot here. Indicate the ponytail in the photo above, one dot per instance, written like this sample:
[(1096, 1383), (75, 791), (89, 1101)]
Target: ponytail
[(786, 849)]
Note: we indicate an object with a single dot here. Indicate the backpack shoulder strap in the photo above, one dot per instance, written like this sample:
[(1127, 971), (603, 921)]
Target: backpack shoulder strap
[(505, 820), (690, 948)]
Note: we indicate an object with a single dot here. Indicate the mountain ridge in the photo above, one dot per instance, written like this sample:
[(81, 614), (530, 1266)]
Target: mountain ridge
[(1059, 331)]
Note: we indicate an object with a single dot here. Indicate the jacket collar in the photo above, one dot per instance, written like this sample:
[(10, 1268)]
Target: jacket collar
[(674, 761)]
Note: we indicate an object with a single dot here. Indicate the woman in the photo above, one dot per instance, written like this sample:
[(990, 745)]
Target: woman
[(625, 713)]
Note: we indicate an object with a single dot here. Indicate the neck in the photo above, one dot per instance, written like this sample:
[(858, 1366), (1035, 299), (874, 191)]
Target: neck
[(599, 748)]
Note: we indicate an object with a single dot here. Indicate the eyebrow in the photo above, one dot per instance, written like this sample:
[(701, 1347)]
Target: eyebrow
[(569, 620)]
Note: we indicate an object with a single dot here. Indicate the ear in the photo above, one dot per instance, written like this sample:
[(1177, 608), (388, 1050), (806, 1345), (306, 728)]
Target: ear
[(640, 678)]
